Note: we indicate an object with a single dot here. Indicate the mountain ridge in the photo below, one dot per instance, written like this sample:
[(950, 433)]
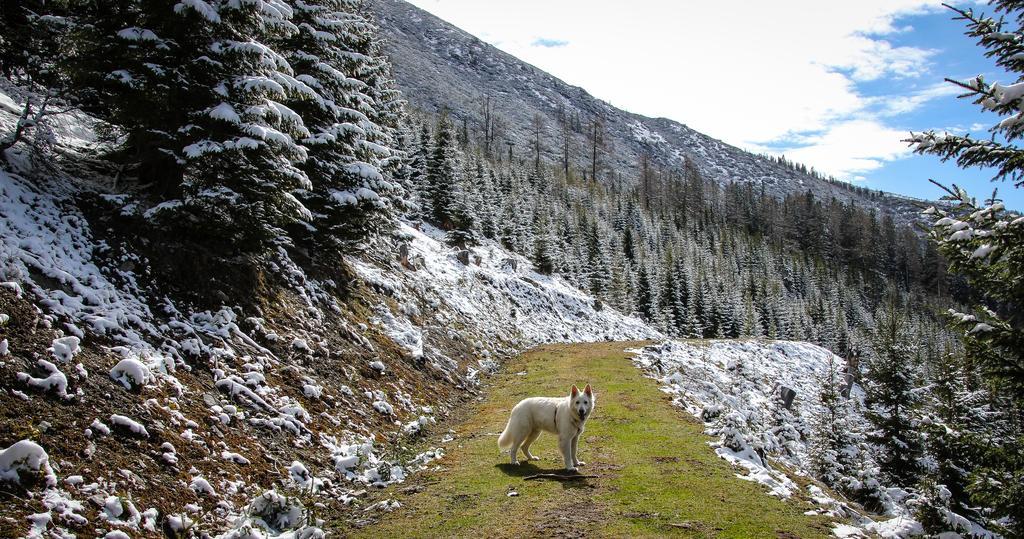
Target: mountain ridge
[(440, 66)]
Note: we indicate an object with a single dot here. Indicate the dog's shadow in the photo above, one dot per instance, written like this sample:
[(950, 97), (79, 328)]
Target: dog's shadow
[(572, 480)]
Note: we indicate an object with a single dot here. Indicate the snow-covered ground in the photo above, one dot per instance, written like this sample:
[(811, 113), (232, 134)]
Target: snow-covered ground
[(497, 292), (736, 388)]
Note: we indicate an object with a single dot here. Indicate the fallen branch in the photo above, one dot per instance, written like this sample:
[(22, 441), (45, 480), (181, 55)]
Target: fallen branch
[(558, 477)]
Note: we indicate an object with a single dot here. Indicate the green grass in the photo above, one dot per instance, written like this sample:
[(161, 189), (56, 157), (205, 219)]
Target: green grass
[(657, 474)]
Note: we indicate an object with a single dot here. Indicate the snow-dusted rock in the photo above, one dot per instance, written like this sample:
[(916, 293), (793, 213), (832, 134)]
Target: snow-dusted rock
[(129, 424), (55, 380), (65, 348), (131, 373), (25, 456)]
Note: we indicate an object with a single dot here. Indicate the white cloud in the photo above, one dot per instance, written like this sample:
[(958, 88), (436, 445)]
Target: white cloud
[(901, 104), (869, 59), (852, 148), (754, 74)]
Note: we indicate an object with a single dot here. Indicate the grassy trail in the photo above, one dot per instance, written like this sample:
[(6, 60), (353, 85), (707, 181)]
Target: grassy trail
[(657, 475)]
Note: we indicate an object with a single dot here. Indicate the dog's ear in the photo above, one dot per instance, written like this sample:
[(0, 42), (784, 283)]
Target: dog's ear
[(589, 392), (575, 391)]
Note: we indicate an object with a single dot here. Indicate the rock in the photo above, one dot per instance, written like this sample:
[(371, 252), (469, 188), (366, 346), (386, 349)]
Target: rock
[(598, 305), (787, 395), (463, 257)]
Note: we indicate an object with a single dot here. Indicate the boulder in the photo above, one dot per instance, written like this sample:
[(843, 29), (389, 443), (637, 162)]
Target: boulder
[(787, 395)]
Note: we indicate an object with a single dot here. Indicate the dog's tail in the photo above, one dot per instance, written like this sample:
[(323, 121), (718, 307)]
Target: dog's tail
[(505, 440)]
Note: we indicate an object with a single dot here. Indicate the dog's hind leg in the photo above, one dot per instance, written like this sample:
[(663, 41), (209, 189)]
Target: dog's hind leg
[(526, 445), (514, 451)]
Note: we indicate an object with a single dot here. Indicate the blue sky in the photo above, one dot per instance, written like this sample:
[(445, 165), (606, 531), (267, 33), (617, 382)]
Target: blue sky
[(954, 55), (834, 85)]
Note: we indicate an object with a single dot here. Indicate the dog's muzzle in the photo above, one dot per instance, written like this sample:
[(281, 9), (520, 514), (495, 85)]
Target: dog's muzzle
[(583, 413)]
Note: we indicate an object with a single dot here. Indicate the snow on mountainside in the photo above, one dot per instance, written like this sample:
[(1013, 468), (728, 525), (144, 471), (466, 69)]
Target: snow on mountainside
[(125, 410), (439, 66), (736, 388)]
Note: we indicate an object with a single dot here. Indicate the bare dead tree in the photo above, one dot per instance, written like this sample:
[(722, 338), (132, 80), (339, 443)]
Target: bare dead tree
[(563, 119), (645, 178), (498, 130), (537, 125), (595, 136), (487, 113)]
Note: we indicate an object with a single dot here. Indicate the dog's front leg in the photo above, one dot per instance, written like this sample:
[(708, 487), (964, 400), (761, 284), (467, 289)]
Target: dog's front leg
[(565, 446), (575, 447)]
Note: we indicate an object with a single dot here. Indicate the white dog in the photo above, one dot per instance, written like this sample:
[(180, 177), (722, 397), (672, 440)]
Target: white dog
[(563, 416)]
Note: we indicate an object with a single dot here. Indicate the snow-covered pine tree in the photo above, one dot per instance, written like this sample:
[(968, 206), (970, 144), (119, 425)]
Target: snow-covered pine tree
[(349, 197), (544, 254), (443, 176), (891, 398), (671, 301), (465, 220), (35, 37), (830, 429), (984, 243), (386, 107), (133, 64), (400, 169), (834, 449), (597, 263), (199, 94), (421, 205), (240, 143), (959, 426), (646, 298)]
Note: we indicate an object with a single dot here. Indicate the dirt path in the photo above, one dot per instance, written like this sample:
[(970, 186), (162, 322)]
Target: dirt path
[(657, 475)]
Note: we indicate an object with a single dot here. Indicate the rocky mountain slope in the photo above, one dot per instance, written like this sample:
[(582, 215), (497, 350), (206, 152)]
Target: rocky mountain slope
[(439, 66)]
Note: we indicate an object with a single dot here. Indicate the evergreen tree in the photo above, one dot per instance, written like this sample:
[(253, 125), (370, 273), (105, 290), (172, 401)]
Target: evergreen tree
[(544, 254), (984, 243), (597, 263), (832, 434), (646, 300), (891, 399), (35, 37), (240, 149), (349, 198), (443, 178), (671, 302), (959, 423), (135, 65), (838, 455), (421, 204)]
